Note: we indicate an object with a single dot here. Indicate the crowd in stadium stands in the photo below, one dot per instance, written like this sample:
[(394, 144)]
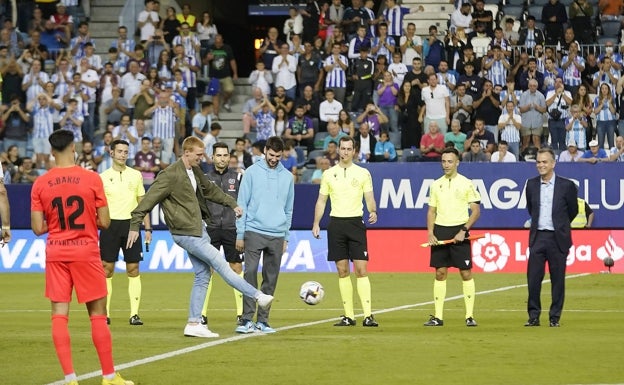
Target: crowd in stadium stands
[(494, 91)]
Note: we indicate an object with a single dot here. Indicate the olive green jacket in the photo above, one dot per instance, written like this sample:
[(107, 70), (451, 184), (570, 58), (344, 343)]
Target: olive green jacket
[(183, 207)]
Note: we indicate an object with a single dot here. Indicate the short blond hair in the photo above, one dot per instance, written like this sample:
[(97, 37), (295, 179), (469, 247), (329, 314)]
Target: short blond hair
[(192, 142)]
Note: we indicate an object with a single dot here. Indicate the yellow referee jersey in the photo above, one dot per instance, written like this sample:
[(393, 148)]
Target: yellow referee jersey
[(346, 187), (122, 191), (452, 197)]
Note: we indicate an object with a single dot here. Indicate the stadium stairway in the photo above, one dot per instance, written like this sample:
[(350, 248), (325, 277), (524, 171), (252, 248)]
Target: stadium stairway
[(231, 122), (103, 24), (437, 12)]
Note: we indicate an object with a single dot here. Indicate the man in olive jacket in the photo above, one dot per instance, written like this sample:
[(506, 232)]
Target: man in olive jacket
[(182, 190)]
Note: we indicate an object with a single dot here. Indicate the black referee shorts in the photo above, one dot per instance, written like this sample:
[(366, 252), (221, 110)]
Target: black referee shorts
[(452, 255), (115, 238), (346, 239), (227, 239)]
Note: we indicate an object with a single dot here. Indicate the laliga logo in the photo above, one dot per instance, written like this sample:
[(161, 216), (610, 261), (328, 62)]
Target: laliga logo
[(610, 249), (490, 253)]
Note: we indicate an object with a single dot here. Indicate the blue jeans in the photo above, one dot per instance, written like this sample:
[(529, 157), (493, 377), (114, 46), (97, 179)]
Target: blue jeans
[(557, 135), (393, 117), (514, 148), (606, 128), (203, 256), (494, 130)]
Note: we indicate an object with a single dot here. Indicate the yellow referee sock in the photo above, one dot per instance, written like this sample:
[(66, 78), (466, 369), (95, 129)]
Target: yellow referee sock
[(469, 296), (364, 291), (134, 291), (238, 298), (439, 295), (346, 293), (109, 294), (208, 291)]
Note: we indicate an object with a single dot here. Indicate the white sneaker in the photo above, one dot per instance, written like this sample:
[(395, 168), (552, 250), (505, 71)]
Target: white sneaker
[(198, 330), (227, 107), (264, 300)]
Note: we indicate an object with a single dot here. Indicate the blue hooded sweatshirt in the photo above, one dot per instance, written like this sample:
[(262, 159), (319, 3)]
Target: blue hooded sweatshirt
[(266, 196)]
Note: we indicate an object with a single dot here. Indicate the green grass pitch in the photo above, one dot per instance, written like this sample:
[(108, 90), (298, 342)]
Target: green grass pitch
[(587, 349)]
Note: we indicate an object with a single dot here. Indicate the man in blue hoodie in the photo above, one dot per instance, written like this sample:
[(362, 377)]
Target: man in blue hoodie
[(266, 196)]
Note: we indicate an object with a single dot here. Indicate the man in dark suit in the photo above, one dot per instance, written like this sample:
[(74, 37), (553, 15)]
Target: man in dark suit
[(552, 204)]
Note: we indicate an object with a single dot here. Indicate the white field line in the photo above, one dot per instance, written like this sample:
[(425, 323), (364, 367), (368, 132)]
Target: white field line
[(175, 353)]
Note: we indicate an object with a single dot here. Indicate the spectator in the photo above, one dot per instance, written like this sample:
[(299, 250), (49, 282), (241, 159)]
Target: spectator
[(496, 66), (329, 109), (485, 137), (146, 161), (334, 134), (309, 69), (147, 21), (432, 143), (558, 101), (206, 33), (397, 68), (370, 19), (472, 82), (131, 83), (169, 25), (607, 74), (281, 121), (43, 126), (411, 45), (34, 81), (126, 131), (87, 158), (189, 67), (433, 48), (461, 18), (345, 123), (154, 48), (530, 36), (617, 152), (25, 174), (616, 58), (502, 155), (104, 150), (311, 104), (270, 47), (187, 39), (446, 78), (157, 147), (461, 105), (164, 115), (300, 129), (242, 156), (248, 109), (16, 125), (288, 160), (322, 164), (409, 103), (532, 107), (388, 92), (482, 16), (77, 44), (186, 16), (575, 126), (294, 24), (551, 72), (90, 80), (606, 118), (335, 67), (531, 73), (365, 142), (331, 153), (282, 100), (384, 149), (143, 101), (573, 65), (363, 69), (62, 21), (581, 14), (211, 138), (437, 105), (554, 16), (571, 154), (595, 154), (113, 108), (509, 125), (264, 116), (416, 76), (72, 120), (37, 49), (510, 33), (357, 42), (393, 16), (202, 121), (222, 66), (261, 78), (455, 136), (487, 107), (475, 153), (374, 117)]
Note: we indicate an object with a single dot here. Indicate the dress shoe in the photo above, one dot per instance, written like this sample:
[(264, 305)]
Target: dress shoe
[(532, 322)]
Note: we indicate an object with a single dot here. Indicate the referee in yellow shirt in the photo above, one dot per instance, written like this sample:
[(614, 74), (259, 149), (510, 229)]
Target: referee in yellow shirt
[(346, 184), (453, 209), (124, 190)]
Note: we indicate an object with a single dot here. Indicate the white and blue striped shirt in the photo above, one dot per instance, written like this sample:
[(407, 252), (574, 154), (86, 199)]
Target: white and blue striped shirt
[(164, 122), (371, 32), (190, 77), (383, 51), (394, 18), (577, 133), (497, 74), (62, 83), (572, 76), (336, 78), (43, 123), (35, 88), (605, 113), (510, 133)]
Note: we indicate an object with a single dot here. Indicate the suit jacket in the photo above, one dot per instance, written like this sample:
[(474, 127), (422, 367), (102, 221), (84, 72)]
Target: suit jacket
[(564, 209), (538, 37), (373, 143)]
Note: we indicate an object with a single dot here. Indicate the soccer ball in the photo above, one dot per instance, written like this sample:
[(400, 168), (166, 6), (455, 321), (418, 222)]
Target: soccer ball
[(311, 292)]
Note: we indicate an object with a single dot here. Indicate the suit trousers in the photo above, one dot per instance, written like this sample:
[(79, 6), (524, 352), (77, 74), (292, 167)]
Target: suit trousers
[(545, 250), (270, 248)]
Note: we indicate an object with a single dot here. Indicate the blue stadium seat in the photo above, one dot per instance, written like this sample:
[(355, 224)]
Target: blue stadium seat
[(301, 158), (539, 2), (315, 154), (410, 155), (610, 28), (536, 11), (319, 137), (306, 175), (515, 11)]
